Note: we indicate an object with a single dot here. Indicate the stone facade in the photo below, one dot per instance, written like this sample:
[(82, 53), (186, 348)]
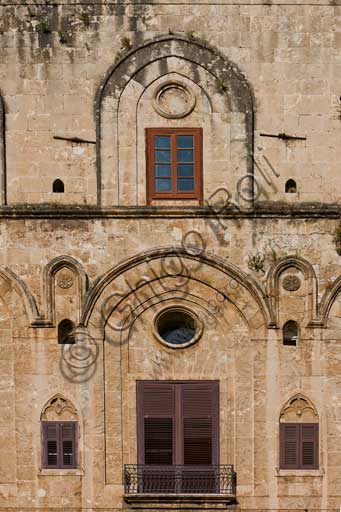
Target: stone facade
[(80, 83)]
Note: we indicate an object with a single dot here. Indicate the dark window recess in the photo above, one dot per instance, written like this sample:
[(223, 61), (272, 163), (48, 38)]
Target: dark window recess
[(290, 333), (291, 187), (58, 186), (299, 445), (66, 330), (59, 444), (176, 327), (174, 163)]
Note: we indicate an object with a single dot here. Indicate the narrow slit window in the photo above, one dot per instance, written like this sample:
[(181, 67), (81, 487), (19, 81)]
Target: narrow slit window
[(58, 186)]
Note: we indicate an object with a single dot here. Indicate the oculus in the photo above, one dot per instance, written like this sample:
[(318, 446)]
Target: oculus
[(174, 100), (177, 327)]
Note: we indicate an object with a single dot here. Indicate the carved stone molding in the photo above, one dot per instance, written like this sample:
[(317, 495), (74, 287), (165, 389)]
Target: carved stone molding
[(174, 100), (298, 410), (59, 408)]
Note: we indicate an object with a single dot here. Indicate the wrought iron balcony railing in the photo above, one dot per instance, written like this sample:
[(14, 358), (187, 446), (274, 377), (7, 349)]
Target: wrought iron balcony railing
[(143, 479)]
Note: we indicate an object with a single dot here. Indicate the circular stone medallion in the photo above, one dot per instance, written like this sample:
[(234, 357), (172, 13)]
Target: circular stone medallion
[(173, 100), (291, 283), (65, 280)]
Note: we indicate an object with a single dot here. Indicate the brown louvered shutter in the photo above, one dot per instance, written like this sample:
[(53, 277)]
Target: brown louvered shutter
[(289, 445), (156, 422), (68, 444), (50, 434), (309, 446), (200, 422)]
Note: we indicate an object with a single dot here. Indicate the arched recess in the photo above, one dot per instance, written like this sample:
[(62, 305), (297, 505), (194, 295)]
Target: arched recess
[(24, 293), (51, 269), (136, 71), (151, 266), (235, 315), (327, 302), (3, 184), (273, 284)]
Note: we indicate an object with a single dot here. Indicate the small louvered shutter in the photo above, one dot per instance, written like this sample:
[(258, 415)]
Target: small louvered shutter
[(289, 445), (200, 411), (50, 433), (156, 419), (309, 446), (67, 437)]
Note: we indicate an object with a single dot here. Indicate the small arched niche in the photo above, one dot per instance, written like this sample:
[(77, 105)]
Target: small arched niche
[(290, 333), (58, 186), (291, 187), (59, 408), (66, 329)]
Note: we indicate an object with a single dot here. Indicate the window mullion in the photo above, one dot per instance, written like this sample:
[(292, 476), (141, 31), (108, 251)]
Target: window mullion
[(179, 435), (174, 164)]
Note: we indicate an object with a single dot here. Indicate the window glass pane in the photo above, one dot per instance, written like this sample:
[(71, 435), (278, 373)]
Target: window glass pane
[(162, 170), (185, 155), (184, 141), (162, 156), (163, 185), (185, 170), (185, 184), (162, 142)]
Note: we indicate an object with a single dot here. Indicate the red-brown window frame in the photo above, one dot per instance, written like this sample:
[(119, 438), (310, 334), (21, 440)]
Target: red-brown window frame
[(198, 175), (59, 445), (299, 465)]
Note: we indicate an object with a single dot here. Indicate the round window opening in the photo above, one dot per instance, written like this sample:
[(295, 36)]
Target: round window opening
[(177, 327)]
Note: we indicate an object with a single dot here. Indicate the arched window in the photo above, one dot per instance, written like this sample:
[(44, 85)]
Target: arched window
[(299, 435), (291, 187), (66, 330), (58, 186), (59, 428), (290, 333)]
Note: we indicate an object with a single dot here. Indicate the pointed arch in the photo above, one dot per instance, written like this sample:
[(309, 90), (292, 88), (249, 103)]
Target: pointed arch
[(280, 266), (230, 83), (24, 293), (48, 282), (58, 407), (217, 266), (299, 409), (327, 302)]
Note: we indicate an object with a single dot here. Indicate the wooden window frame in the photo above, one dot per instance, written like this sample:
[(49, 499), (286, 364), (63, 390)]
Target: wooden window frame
[(299, 447), (178, 417), (150, 162), (59, 443)]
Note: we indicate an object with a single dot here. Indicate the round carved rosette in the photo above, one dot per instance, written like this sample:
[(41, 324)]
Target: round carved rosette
[(65, 280), (291, 283), (174, 100)]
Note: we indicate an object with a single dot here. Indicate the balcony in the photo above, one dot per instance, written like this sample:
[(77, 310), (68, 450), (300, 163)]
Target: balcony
[(179, 484)]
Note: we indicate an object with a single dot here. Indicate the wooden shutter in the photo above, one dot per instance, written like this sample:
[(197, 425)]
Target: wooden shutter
[(156, 422), (200, 420), (50, 434), (289, 445), (309, 446), (68, 444)]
